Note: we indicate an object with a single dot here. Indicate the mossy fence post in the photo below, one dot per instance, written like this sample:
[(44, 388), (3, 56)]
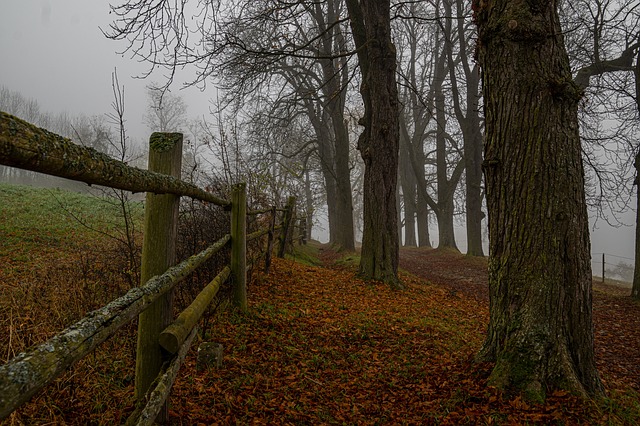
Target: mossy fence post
[(287, 225), (158, 254), (239, 244)]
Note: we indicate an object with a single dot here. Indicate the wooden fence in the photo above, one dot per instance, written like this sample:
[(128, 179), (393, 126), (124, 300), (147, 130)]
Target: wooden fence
[(163, 342)]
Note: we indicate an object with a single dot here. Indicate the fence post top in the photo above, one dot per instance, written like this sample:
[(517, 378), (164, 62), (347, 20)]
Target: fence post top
[(240, 185), (162, 142)]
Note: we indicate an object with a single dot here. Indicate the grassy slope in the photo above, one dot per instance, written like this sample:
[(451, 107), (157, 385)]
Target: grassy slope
[(53, 270), (37, 221)]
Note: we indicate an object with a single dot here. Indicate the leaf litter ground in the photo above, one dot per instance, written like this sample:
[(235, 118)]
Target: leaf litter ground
[(320, 346)]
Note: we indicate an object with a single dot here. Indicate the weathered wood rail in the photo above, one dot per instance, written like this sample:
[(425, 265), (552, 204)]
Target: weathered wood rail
[(160, 350)]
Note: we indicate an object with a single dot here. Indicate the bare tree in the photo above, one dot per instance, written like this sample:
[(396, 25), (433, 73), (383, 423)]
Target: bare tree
[(379, 142), (427, 131), (416, 58), (465, 94), (604, 45), (166, 112), (162, 30), (301, 50)]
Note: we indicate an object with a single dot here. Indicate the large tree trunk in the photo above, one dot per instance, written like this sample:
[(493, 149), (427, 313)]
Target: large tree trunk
[(473, 168), (410, 216), (422, 217), (540, 332), (446, 187), (378, 143), (345, 237), (408, 184), (308, 199), (635, 289), (332, 204)]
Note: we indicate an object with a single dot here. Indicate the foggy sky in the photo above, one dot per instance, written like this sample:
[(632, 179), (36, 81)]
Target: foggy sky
[(54, 52)]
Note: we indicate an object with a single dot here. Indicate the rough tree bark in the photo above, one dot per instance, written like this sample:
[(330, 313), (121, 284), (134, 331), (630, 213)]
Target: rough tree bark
[(378, 143), (408, 184), (635, 289), (446, 187), (540, 332)]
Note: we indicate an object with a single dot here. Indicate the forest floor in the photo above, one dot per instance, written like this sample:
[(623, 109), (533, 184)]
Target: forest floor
[(322, 347), (317, 346), (616, 315)]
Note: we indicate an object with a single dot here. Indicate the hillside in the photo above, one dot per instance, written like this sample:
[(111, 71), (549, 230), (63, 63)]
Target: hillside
[(318, 345)]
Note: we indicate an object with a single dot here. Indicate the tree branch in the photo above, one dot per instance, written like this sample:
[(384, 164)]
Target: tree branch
[(624, 62)]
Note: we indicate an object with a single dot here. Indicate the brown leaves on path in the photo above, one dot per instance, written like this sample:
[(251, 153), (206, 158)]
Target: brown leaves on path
[(322, 347), (616, 315), (617, 337)]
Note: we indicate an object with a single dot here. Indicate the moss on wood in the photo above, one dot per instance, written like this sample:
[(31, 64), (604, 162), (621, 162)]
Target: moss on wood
[(163, 142), (161, 388), (30, 371), (175, 334), (29, 147)]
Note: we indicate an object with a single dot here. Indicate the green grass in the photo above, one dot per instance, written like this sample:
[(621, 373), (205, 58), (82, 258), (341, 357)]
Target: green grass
[(611, 281), (38, 218), (306, 254), (349, 260)]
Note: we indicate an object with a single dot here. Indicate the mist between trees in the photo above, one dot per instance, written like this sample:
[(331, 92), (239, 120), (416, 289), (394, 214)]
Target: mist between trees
[(607, 265), (278, 106), (379, 112)]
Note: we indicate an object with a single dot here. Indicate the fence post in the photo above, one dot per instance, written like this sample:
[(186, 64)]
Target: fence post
[(286, 226), (602, 268), (272, 225), (158, 254), (303, 230), (239, 244)]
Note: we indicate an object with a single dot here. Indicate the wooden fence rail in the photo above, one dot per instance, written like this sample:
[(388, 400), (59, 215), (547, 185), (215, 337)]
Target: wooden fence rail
[(30, 371), (26, 146), (29, 147)]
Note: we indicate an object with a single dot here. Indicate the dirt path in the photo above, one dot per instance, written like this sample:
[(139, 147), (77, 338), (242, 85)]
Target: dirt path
[(616, 316), (459, 273)]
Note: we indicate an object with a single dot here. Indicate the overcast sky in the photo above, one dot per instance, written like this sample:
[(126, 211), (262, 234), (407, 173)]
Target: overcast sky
[(53, 51)]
